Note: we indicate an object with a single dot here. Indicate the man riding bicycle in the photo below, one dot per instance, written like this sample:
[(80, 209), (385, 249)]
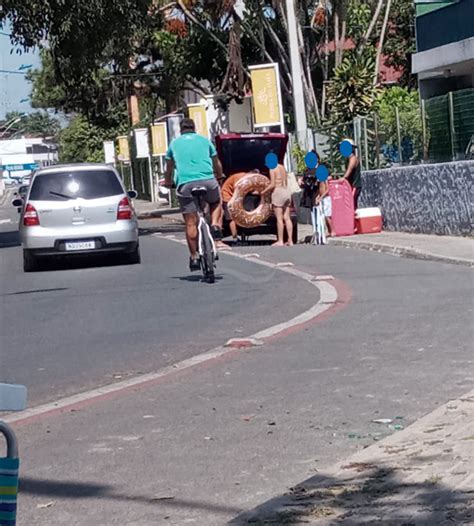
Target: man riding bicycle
[(193, 160)]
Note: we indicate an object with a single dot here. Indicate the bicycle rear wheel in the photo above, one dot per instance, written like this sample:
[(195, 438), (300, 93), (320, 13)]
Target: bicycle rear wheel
[(207, 256)]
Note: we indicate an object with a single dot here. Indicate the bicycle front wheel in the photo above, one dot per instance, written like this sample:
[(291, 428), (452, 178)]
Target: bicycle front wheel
[(207, 256)]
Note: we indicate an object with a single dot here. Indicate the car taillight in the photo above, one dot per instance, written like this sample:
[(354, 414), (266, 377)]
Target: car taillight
[(30, 217), (124, 210)]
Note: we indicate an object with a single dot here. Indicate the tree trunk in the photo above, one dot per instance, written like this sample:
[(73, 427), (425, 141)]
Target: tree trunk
[(307, 80), (285, 80), (342, 41), (336, 38), (284, 58), (366, 37), (381, 42), (281, 11)]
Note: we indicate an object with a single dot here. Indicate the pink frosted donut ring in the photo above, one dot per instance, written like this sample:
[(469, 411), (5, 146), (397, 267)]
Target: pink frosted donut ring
[(250, 183)]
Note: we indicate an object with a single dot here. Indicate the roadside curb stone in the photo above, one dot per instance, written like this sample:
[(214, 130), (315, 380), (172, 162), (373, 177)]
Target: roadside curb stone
[(400, 251)]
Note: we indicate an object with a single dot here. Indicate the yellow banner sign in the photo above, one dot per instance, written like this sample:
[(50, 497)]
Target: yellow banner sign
[(159, 139), (266, 95), (197, 112), (124, 149), (134, 109)]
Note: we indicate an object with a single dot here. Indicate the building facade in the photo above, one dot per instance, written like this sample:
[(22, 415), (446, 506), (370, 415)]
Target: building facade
[(444, 63)]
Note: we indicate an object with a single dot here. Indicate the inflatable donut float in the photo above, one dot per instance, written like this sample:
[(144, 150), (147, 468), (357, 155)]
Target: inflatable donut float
[(251, 183)]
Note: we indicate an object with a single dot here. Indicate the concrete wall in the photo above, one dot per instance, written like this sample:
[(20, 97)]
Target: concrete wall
[(428, 198)]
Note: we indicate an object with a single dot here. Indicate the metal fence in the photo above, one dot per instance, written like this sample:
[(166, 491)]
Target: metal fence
[(440, 131), (450, 120)]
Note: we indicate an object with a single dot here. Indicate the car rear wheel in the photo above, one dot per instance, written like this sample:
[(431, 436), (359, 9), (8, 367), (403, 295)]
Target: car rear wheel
[(133, 258), (30, 263)]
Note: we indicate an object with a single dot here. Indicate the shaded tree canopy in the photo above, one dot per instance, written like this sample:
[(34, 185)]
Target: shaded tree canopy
[(100, 51)]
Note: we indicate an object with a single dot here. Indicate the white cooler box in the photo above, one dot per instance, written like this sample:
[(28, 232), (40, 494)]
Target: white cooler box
[(368, 220)]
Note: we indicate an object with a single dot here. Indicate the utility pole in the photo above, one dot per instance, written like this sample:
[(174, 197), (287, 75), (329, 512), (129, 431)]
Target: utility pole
[(296, 74)]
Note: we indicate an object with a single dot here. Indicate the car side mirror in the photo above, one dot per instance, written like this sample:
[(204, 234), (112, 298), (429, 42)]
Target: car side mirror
[(133, 194), (17, 202)]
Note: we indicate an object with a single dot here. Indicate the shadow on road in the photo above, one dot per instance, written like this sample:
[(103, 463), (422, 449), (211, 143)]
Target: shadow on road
[(66, 489), (77, 263), (195, 278), (375, 495), (10, 239)]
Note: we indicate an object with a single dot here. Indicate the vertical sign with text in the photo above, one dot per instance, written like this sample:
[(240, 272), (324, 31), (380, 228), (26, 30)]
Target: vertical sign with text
[(124, 149), (141, 143), (159, 139), (265, 79), (109, 152), (197, 112)]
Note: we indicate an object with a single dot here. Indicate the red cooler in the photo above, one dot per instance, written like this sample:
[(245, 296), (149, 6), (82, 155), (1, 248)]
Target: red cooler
[(368, 220), (342, 204)]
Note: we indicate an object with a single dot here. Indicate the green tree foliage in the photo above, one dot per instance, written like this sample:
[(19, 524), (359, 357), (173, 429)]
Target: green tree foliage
[(82, 35), (358, 15), (101, 51), (351, 93), (36, 124), (99, 98), (82, 141), (400, 42), (411, 131)]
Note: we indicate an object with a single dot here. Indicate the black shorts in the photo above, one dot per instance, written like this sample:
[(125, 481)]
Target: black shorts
[(187, 204)]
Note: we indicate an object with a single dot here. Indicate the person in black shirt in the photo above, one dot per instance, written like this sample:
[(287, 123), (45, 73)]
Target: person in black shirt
[(353, 173), (310, 186)]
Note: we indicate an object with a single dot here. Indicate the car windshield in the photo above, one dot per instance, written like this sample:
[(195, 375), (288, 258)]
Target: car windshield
[(243, 155), (88, 184)]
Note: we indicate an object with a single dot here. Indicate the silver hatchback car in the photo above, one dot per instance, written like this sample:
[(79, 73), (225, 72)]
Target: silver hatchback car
[(77, 209)]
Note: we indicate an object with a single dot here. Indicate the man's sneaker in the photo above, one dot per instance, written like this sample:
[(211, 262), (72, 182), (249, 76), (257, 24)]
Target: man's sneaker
[(194, 265)]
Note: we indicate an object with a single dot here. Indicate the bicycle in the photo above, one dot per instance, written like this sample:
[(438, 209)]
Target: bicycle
[(206, 246)]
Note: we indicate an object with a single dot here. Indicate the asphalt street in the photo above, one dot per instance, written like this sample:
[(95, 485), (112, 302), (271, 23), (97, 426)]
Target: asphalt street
[(205, 446), (78, 326)]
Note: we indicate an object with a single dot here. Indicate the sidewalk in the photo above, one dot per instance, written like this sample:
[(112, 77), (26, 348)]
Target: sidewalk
[(447, 249), (421, 475), (149, 210)]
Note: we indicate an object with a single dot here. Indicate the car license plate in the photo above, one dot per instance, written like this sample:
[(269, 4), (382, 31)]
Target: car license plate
[(80, 245)]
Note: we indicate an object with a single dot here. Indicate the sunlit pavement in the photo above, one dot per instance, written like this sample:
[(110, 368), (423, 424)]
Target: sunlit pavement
[(203, 446)]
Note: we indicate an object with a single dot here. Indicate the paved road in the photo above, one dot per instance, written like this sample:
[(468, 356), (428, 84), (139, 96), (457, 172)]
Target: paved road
[(202, 448), (71, 329)]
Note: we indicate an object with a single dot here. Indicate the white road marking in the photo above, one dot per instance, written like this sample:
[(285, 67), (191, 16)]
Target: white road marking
[(328, 297)]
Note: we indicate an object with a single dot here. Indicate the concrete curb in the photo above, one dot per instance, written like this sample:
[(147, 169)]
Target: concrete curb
[(157, 214), (400, 251)]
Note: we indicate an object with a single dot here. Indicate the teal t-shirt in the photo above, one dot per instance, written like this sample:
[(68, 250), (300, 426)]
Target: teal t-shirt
[(192, 155)]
